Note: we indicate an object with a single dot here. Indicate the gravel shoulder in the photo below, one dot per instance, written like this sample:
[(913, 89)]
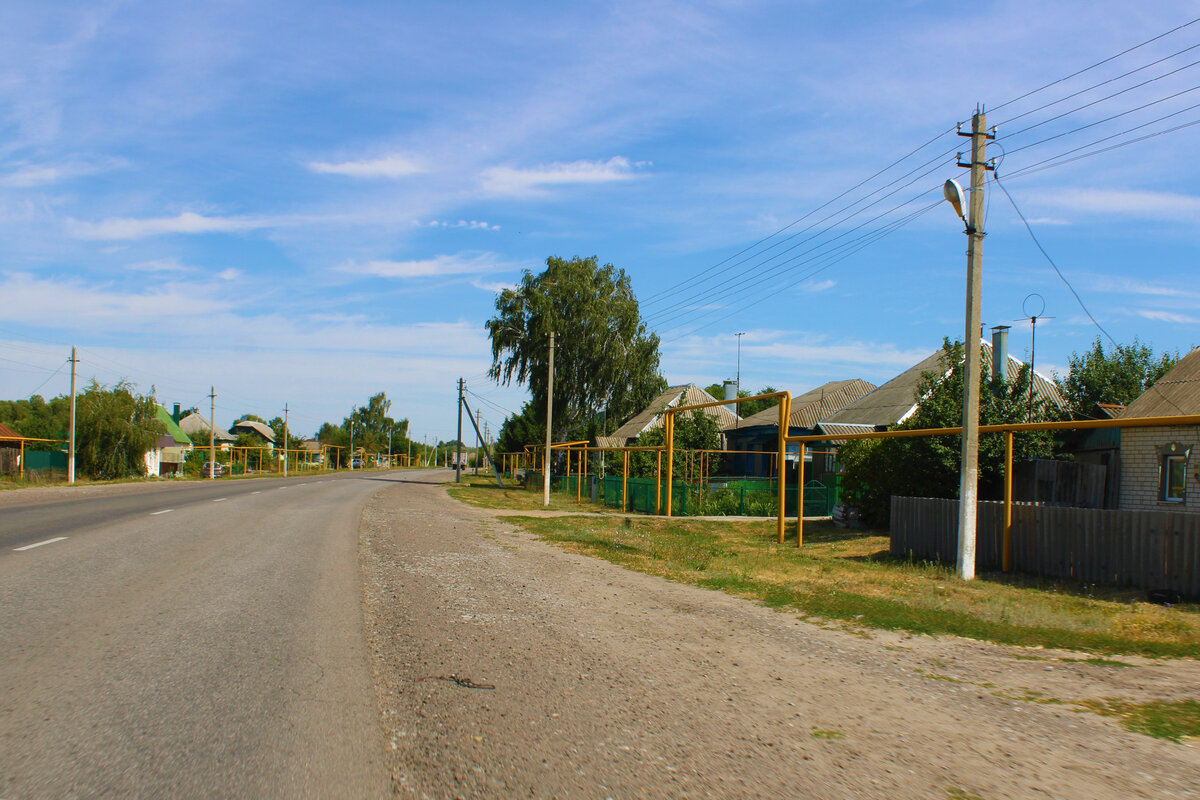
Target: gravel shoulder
[(613, 684)]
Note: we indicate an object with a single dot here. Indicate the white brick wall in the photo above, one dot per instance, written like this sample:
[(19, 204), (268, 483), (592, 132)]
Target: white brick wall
[(1140, 460)]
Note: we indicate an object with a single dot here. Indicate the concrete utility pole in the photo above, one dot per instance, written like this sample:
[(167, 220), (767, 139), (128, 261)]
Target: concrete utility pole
[(285, 438), (968, 491), (738, 378), (391, 430), (71, 435), (549, 426), (351, 445), (458, 444), (212, 432)]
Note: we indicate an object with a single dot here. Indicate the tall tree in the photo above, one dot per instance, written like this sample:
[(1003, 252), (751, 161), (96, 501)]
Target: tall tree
[(1119, 375), (605, 363), (114, 430)]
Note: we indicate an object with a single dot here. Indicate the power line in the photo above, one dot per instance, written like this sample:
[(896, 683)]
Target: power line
[(1043, 107), (1097, 64), (1057, 271), (1062, 158)]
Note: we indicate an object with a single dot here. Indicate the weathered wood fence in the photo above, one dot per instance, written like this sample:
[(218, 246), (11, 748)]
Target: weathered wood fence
[(1147, 549)]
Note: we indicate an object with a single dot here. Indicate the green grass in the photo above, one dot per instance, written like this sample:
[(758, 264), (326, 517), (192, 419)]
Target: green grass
[(818, 733), (1172, 721), (482, 491), (849, 577)]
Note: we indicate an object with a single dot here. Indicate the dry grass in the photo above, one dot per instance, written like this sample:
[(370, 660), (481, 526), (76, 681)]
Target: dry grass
[(849, 576)]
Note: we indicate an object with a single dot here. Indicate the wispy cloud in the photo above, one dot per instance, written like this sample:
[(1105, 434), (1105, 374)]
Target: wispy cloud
[(26, 175), (1167, 316), (1048, 221), (230, 274), (511, 180), (494, 287), (438, 266), (817, 286), (394, 166), (1128, 203), (472, 225), (159, 265), (187, 222)]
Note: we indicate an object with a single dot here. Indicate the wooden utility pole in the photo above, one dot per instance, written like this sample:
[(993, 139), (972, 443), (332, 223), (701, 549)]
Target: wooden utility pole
[(549, 426), (458, 444), (212, 434), (285, 438), (71, 434), (968, 491)]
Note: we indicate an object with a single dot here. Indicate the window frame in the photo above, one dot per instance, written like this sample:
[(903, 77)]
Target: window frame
[(1164, 488)]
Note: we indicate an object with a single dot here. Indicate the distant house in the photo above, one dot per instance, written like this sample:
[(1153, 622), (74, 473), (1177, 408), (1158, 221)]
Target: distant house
[(10, 450), (1157, 471), (896, 401), (170, 451), (760, 432), (197, 427), (651, 417), (256, 428)]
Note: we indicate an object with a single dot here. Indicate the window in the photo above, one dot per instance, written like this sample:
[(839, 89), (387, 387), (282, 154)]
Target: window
[(1174, 473)]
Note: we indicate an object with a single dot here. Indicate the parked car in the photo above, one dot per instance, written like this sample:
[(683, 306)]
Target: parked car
[(356, 463), (212, 469)]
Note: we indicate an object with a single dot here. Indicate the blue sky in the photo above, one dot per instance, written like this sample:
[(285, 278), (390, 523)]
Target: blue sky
[(307, 203)]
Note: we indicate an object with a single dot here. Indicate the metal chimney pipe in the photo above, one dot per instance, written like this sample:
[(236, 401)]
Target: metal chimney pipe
[(1000, 352)]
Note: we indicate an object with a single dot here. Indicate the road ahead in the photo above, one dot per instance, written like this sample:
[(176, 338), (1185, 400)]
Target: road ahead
[(202, 640)]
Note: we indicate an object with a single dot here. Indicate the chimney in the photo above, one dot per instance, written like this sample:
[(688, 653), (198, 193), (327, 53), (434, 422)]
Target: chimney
[(1000, 352), (176, 415), (730, 390)]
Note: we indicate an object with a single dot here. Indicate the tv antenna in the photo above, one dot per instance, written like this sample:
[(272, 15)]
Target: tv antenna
[(1033, 301)]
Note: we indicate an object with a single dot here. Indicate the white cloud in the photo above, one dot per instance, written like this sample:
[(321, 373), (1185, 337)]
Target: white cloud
[(473, 225), (159, 265), (393, 166), (460, 264), (1048, 221), (495, 287), (510, 180), (187, 222), (229, 274), (1140, 204), (26, 175), (817, 286), (1167, 316)]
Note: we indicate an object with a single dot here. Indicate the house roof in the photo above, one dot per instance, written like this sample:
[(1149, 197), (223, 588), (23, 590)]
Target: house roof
[(197, 423), (1174, 394), (8, 433), (257, 427), (312, 444), (894, 401), (811, 407), (651, 416), (173, 430)]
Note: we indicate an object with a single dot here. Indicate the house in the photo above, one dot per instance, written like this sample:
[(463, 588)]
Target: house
[(1157, 472), (10, 450), (760, 432), (255, 428), (197, 427), (896, 401), (170, 451), (651, 417)]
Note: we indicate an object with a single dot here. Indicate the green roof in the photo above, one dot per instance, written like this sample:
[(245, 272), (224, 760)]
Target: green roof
[(173, 429)]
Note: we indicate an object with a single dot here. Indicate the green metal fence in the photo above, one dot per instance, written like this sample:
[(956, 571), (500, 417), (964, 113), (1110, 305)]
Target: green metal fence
[(740, 497)]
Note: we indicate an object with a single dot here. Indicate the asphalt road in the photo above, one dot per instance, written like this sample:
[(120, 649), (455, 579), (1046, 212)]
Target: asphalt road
[(203, 640)]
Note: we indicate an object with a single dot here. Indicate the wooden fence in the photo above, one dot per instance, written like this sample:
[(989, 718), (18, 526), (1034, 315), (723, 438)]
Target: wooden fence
[(1147, 549)]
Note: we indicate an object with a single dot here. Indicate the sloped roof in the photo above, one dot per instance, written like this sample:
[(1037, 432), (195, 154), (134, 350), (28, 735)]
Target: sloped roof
[(651, 416), (894, 401), (173, 430), (1174, 394), (257, 427), (197, 423), (811, 407)]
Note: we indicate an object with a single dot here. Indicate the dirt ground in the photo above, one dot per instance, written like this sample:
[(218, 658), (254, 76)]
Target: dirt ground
[(613, 684)]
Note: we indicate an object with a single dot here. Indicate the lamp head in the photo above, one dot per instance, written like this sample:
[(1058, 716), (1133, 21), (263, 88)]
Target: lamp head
[(954, 195)]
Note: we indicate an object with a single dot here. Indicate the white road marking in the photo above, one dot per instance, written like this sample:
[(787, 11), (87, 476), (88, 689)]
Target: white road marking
[(164, 511), (258, 492), (39, 544), (220, 499)]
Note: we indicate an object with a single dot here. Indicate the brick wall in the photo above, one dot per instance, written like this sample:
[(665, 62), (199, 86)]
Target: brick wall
[(1140, 461)]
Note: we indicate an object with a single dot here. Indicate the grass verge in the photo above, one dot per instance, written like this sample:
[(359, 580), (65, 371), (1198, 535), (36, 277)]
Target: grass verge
[(849, 577), (482, 491)]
